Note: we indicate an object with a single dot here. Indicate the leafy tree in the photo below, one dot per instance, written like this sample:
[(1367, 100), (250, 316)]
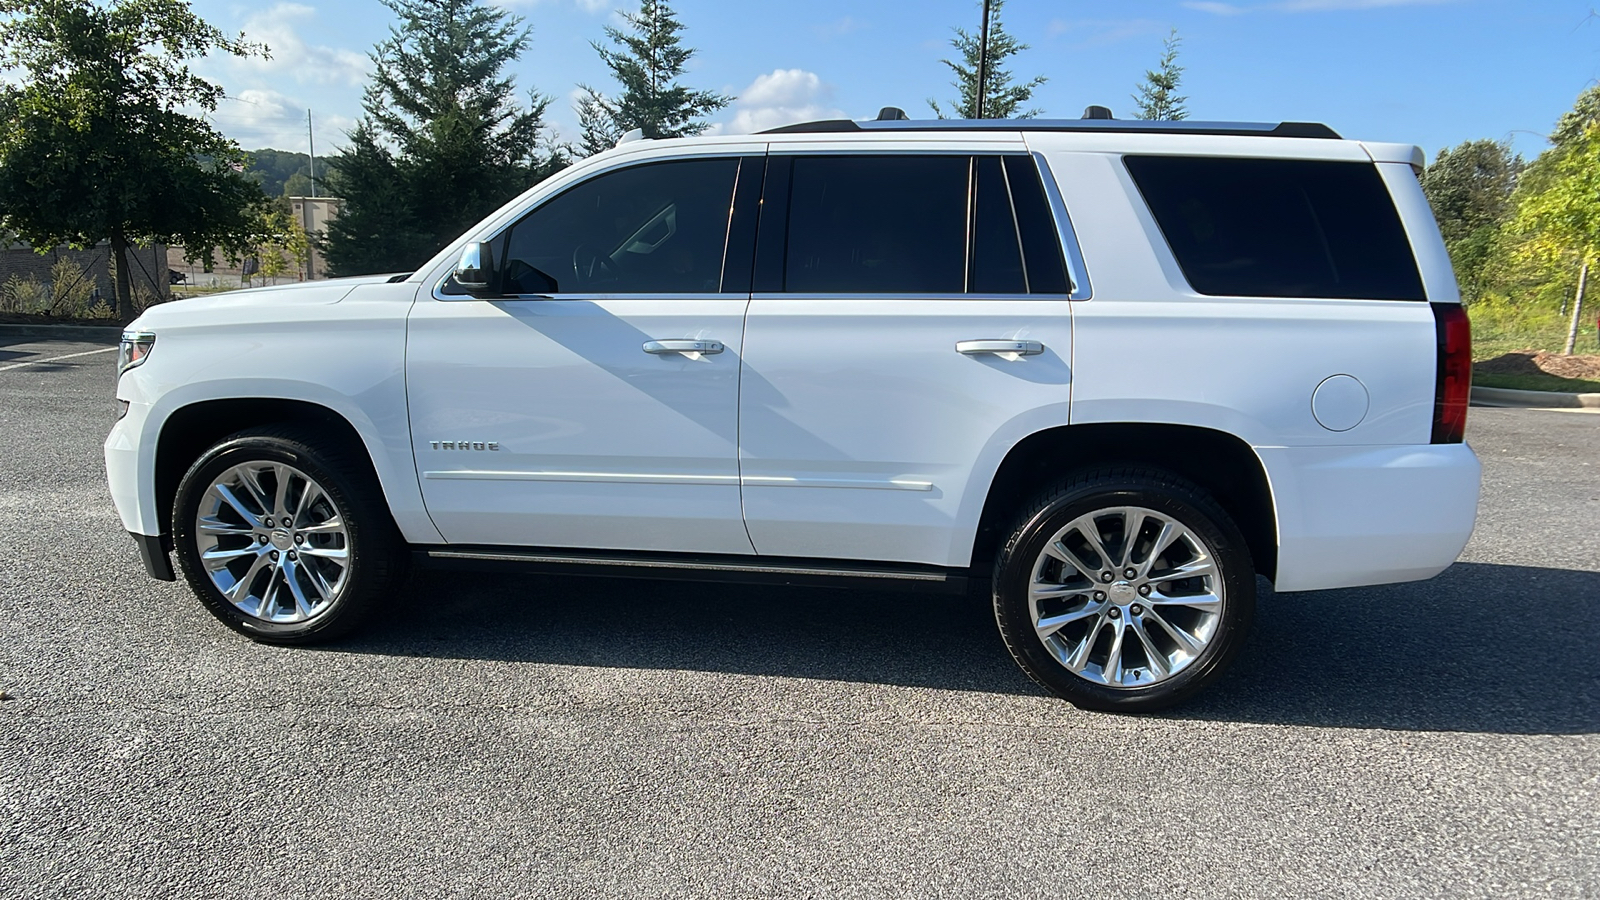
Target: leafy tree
[(1002, 98), (1470, 189), (646, 62), (1563, 215), (1158, 98), (272, 168), (95, 144), (282, 244), (1574, 123), (442, 143)]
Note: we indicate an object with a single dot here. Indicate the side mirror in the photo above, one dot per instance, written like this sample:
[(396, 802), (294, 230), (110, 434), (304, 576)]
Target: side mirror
[(476, 268)]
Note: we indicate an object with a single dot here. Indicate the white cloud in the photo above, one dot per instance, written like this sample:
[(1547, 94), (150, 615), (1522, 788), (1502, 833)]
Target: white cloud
[(782, 97), (292, 57), (258, 118), (1216, 9)]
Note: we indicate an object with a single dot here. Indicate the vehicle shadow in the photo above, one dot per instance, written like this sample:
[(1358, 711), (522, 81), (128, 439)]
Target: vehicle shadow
[(1481, 648)]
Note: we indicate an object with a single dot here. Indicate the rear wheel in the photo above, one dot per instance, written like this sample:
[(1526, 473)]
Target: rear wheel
[(1124, 590), (283, 540)]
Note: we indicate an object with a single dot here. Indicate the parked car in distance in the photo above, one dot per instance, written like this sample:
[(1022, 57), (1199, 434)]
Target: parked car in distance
[(1107, 372)]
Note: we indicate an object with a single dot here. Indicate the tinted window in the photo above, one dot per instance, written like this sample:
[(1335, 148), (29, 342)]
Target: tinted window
[(996, 252), (1041, 241), (1280, 228), (649, 229), (877, 224)]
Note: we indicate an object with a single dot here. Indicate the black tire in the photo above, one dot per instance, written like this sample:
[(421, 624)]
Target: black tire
[(1053, 510), (377, 552)]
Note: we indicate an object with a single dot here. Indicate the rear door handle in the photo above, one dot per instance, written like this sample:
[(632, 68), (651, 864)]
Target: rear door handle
[(1020, 348), (687, 346)]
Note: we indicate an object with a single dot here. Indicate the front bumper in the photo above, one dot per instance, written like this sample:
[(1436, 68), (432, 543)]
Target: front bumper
[(154, 552), (134, 500)]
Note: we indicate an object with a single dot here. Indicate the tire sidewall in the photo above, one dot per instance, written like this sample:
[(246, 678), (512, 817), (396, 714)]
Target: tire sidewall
[(246, 448), (1014, 574)]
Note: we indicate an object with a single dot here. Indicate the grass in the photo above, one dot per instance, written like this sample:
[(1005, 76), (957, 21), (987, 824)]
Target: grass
[(1532, 382), (1499, 328)]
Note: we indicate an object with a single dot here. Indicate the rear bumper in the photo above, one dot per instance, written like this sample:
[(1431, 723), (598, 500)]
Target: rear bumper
[(1352, 516)]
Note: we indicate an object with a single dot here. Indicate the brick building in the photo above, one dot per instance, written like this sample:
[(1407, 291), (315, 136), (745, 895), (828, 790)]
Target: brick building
[(147, 266)]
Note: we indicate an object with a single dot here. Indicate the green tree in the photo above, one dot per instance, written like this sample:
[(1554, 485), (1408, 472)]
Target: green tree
[(1158, 98), (273, 169), (443, 141), (377, 230), (282, 244), (96, 145), (597, 130), (646, 62), (1003, 99), (1575, 123), (1563, 214), (1470, 188)]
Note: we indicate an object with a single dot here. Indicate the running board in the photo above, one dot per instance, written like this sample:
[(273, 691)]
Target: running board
[(689, 567)]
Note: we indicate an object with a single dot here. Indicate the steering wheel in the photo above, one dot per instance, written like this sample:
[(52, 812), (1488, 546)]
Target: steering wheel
[(589, 266)]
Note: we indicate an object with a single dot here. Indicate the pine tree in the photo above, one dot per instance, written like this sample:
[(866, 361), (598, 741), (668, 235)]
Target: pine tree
[(646, 63), (443, 141), (597, 129), (376, 230), (1158, 97), (1001, 98)]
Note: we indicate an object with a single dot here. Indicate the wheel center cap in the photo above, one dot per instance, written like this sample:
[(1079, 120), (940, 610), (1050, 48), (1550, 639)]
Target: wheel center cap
[(282, 539), (1122, 592)]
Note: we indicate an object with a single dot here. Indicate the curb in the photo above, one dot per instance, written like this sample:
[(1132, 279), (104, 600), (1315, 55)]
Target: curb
[(77, 332), (1488, 396)]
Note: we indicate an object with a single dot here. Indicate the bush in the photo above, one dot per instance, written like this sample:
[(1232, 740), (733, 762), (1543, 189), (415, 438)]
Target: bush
[(24, 295), (72, 292)]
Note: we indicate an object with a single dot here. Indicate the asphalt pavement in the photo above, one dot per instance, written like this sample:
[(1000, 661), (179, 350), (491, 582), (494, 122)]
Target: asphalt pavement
[(551, 737)]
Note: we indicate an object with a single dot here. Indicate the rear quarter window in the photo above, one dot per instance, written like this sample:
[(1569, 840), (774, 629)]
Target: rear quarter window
[(1280, 228)]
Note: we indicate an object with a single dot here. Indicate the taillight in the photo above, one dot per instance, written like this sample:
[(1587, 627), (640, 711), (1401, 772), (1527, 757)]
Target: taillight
[(1453, 387)]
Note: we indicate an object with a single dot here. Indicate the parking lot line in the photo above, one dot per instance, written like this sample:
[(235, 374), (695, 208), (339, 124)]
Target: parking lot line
[(36, 362)]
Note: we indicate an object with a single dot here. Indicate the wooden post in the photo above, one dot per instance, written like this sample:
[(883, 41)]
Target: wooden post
[(1577, 308)]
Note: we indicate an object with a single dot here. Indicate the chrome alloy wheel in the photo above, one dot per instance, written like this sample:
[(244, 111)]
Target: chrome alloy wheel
[(1126, 597), (273, 542)]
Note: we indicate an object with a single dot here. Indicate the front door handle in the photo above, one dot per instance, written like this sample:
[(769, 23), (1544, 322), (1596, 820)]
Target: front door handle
[(686, 346), (1020, 348)]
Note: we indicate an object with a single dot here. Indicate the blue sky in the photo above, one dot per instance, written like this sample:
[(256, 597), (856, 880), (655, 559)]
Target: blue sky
[(1427, 72)]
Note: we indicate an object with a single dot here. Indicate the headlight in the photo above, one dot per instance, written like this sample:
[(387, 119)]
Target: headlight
[(134, 349)]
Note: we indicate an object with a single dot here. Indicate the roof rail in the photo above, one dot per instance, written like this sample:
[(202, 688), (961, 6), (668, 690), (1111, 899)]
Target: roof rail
[(1088, 125)]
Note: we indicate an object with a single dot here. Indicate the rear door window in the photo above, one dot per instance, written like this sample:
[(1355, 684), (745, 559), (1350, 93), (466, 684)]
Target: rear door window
[(996, 250), (1280, 228), (877, 224)]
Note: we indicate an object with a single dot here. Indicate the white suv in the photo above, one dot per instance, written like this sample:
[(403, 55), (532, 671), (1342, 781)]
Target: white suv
[(1110, 370)]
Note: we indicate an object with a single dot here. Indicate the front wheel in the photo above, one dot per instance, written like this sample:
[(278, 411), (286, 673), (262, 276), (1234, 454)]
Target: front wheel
[(1124, 590), (284, 538)]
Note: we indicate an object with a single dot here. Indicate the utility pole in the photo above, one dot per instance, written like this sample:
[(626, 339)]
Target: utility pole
[(311, 140), (983, 62), (305, 205)]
